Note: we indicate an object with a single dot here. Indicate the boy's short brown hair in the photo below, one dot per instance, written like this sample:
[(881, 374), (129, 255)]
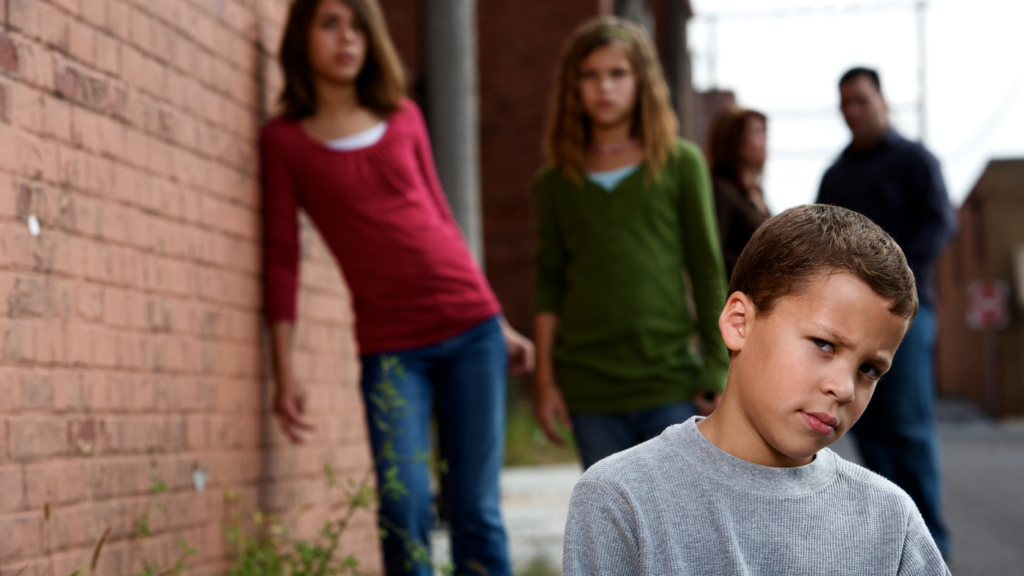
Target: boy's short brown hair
[(792, 248)]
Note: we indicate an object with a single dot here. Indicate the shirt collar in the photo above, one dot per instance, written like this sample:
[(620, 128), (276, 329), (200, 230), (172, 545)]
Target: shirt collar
[(754, 477)]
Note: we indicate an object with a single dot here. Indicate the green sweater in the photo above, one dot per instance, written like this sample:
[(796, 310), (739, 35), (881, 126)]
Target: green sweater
[(611, 265)]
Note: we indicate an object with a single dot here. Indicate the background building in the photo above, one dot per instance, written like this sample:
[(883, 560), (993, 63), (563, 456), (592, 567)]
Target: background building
[(985, 367)]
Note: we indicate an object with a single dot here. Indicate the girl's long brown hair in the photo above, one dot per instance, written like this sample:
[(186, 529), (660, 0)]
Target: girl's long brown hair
[(568, 127), (380, 84)]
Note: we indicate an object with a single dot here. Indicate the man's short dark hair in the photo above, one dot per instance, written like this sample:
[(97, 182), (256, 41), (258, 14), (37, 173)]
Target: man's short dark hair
[(793, 248), (854, 73)]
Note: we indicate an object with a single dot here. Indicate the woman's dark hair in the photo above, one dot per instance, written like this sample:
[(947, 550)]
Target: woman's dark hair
[(726, 138), (380, 84)]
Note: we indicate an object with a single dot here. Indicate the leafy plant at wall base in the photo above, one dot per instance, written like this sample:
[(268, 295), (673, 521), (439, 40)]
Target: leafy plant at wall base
[(143, 530), (269, 550)]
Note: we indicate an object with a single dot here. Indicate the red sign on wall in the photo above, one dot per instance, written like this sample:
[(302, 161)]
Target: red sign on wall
[(988, 304)]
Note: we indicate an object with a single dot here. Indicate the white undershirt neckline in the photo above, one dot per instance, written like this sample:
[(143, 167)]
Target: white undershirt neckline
[(359, 140)]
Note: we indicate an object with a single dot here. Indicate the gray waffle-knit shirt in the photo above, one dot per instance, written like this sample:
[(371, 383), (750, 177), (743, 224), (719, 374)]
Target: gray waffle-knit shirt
[(679, 505)]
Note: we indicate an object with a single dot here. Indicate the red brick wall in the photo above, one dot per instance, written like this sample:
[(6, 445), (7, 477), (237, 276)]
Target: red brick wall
[(131, 329)]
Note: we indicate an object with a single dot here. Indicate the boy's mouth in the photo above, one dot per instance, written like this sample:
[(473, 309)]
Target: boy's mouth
[(820, 422)]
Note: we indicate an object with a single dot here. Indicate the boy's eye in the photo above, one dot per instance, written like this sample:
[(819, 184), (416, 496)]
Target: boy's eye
[(823, 344), (870, 371)]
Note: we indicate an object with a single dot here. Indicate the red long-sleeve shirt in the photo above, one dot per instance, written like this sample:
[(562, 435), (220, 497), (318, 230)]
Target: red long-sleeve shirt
[(383, 214)]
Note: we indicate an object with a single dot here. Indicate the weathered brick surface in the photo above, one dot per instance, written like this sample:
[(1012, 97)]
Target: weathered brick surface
[(8, 56), (131, 339)]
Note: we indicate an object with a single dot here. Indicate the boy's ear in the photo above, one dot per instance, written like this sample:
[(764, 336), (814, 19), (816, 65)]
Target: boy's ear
[(735, 319)]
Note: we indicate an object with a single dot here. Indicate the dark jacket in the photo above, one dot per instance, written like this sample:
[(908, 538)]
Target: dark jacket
[(899, 186), (738, 217)]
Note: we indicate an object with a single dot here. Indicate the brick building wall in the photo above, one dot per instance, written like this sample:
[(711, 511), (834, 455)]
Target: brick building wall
[(131, 329)]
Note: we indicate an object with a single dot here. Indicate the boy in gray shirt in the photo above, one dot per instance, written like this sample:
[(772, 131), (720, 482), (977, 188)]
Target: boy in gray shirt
[(818, 304)]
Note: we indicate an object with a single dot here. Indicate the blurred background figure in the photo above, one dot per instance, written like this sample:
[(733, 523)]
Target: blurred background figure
[(898, 184), (623, 205), (736, 155)]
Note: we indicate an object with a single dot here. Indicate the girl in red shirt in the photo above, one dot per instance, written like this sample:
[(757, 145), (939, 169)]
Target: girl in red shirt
[(353, 152)]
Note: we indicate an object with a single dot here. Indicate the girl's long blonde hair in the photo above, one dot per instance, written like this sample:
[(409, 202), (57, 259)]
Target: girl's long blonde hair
[(568, 128)]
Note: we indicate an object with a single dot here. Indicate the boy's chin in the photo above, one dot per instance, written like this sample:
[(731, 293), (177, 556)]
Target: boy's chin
[(805, 449)]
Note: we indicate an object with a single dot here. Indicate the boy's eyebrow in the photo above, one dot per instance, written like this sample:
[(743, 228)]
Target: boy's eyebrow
[(839, 339), (833, 335)]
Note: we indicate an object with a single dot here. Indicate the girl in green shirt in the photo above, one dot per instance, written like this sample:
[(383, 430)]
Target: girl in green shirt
[(624, 212)]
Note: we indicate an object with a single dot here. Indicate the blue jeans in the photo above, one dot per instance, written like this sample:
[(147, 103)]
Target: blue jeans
[(896, 435), (465, 377), (601, 435)]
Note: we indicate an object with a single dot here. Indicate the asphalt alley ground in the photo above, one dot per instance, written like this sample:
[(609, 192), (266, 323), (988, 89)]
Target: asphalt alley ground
[(983, 475)]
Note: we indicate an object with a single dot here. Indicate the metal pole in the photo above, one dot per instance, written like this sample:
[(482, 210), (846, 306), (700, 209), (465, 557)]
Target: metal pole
[(922, 50), (452, 113)]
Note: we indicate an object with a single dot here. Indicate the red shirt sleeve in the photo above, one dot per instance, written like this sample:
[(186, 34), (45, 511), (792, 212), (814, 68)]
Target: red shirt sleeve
[(425, 155), (280, 229)]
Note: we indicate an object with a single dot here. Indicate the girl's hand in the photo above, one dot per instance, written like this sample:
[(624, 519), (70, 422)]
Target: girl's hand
[(522, 356), (290, 407), (549, 408)]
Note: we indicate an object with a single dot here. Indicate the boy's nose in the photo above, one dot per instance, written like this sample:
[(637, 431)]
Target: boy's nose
[(842, 386)]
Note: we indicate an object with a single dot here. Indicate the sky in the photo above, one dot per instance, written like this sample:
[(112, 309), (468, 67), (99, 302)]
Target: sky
[(784, 58)]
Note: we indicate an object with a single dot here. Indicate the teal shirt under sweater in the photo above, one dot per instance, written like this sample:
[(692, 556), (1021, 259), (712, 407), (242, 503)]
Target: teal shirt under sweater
[(611, 266)]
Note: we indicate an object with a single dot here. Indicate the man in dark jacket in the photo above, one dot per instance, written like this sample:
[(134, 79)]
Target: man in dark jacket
[(898, 184)]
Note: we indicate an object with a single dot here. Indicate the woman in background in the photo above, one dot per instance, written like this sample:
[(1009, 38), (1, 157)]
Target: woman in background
[(736, 155)]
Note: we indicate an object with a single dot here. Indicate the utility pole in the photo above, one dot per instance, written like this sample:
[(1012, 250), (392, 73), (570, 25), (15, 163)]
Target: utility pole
[(453, 109), (922, 87)]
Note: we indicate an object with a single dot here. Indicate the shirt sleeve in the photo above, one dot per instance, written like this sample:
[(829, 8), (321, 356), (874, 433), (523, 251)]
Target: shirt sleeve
[(935, 218), (920, 556), (704, 262), (425, 157), (601, 533), (280, 231), (551, 257)]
